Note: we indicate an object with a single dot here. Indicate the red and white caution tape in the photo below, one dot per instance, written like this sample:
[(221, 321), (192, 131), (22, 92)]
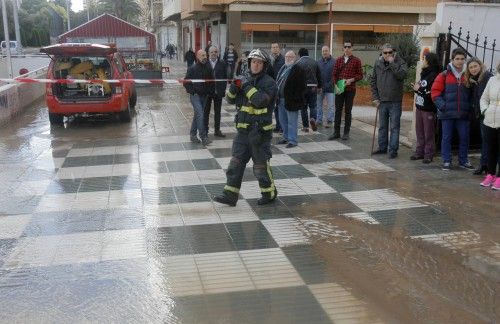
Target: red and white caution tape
[(139, 81), (88, 81)]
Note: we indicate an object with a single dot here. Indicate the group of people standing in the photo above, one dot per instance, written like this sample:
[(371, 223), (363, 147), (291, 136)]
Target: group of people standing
[(464, 93), (304, 84), (287, 84)]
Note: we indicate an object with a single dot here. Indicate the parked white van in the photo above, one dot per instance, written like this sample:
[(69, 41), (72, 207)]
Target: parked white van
[(15, 48)]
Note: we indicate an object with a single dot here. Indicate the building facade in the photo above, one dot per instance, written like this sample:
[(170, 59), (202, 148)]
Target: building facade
[(298, 23)]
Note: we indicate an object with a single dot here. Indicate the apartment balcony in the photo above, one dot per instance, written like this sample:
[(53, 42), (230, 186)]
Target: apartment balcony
[(171, 9), (311, 6)]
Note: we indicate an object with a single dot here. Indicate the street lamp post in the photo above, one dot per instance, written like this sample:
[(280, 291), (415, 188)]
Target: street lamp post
[(67, 10), (330, 26), (7, 39)]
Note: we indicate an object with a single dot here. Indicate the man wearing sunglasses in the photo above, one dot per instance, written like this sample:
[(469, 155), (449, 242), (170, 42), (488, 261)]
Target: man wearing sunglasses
[(347, 70), (389, 72)]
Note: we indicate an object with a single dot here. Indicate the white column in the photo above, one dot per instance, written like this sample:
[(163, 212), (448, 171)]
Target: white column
[(7, 39)]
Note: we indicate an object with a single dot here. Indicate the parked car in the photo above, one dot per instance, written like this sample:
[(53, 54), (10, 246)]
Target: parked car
[(15, 48), (88, 61)]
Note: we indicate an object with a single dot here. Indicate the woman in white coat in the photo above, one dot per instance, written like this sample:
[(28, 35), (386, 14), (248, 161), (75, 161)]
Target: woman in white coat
[(490, 109)]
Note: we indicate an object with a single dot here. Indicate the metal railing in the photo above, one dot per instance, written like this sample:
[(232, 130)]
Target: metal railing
[(473, 46)]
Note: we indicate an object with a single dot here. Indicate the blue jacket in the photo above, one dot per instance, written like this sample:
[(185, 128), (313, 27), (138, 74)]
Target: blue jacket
[(326, 68), (452, 98)]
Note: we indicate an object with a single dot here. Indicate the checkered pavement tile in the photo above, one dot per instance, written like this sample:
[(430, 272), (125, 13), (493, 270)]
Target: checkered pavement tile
[(112, 203)]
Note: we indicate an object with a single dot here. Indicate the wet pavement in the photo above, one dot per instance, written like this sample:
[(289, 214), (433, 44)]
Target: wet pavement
[(111, 222)]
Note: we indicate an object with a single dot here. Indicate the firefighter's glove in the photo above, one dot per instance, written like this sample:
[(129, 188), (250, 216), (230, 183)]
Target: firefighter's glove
[(243, 82)]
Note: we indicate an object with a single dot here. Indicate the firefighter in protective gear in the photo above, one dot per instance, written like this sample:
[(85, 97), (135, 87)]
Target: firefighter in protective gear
[(254, 96)]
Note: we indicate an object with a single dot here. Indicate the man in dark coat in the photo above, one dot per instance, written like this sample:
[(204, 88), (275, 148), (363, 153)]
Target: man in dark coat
[(291, 83), (198, 93), (219, 69), (389, 72), (189, 57), (313, 75), (277, 61)]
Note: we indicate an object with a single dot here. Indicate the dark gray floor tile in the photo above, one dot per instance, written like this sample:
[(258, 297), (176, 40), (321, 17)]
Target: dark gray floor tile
[(319, 204), (59, 153), (435, 220), (250, 235), (6, 246), (180, 166), (343, 183), (220, 152), (125, 182), (100, 160), (125, 158), (398, 219), (149, 148), (166, 241), (209, 238), (272, 211), (187, 194), (95, 184), (160, 196), (206, 164), (248, 175), (168, 147), (305, 158), (77, 161), (311, 267), (276, 150), (215, 189), (61, 186), (192, 146), (281, 305), (295, 171), (65, 222)]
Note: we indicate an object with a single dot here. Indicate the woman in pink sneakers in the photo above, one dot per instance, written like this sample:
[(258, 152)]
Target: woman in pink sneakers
[(490, 108)]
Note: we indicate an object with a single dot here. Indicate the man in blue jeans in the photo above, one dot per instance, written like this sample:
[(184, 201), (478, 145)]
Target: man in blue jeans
[(291, 82), (198, 95), (326, 63), (389, 72)]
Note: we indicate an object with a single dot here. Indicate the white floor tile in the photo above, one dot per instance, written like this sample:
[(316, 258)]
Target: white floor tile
[(32, 188), (212, 176), (313, 186), (158, 180), (13, 226), (163, 216), (341, 306), (362, 216), (98, 171), (199, 213), (79, 152), (70, 173), (286, 231), (270, 268), (380, 199)]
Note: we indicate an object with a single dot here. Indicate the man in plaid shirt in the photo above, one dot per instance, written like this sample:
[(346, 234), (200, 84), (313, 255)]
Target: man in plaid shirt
[(347, 67)]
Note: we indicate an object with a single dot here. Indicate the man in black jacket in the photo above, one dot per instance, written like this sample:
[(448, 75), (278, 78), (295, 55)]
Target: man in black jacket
[(198, 92), (189, 57), (277, 62), (313, 74), (254, 96), (291, 82), (219, 72)]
